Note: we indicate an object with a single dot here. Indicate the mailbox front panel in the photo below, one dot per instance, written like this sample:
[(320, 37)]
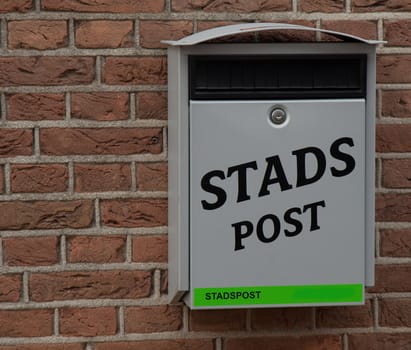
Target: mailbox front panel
[(277, 210)]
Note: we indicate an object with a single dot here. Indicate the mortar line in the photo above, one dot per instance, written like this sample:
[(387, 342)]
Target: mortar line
[(56, 322), (133, 106), (121, 320), (67, 98), (71, 34), (377, 243), (318, 26), (157, 284), (129, 248), (133, 168), (97, 213), (7, 178), (37, 6), (137, 33), (4, 34), (248, 320), (26, 297), (195, 25), (348, 6), (89, 346), (168, 7), (63, 250), (380, 30), (295, 6), (380, 174), (376, 312), (3, 103), (218, 344), (99, 68), (70, 167), (37, 151), (379, 103), (186, 319), (1, 252), (345, 341)]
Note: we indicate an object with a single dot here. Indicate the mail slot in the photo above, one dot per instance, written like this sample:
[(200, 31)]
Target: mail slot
[(271, 171)]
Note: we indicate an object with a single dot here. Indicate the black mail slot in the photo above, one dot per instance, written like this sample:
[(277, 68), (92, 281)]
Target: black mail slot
[(279, 76)]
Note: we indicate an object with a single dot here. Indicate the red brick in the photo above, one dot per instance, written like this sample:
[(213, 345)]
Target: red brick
[(90, 249), (288, 35), (396, 103), (16, 142), (16, 5), (396, 243), (218, 320), (393, 138), (102, 177), (175, 344), (393, 207), (345, 316), (114, 284), (325, 342), (322, 6), (66, 346), (238, 38), (363, 29), (134, 212), (100, 141), (282, 318), (113, 6), (36, 107), (150, 248), (152, 32), (153, 319), (393, 69), (10, 286), (26, 323), (39, 178), (40, 35), (397, 33), (29, 251), (380, 6), (396, 173), (383, 341), (100, 106), (164, 282), (152, 177), (135, 70), (152, 105), (104, 34), (395, 312), (231, 5), (20, 215), (43, 70), (88, 322), (392, 278)]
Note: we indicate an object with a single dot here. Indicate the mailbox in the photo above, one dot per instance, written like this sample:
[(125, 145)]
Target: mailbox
[(271, 170)]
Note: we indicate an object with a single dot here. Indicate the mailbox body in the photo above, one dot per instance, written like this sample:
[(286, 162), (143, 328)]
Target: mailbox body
[(266, 215)]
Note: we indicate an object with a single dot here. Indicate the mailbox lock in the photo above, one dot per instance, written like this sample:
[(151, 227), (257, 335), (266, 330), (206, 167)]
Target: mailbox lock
[(278, 115)]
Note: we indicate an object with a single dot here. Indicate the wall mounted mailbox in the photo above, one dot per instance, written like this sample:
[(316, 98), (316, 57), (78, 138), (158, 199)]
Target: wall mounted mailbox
[(271, 171)]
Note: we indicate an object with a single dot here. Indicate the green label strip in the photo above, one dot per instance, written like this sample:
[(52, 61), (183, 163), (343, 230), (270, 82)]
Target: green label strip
[(279, 295)]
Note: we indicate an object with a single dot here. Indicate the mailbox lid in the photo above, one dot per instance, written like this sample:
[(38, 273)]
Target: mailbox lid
[(227, 134)]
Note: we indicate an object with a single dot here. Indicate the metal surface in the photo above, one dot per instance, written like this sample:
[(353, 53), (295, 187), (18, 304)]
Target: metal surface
[(180, 286), (227, 134), (219, 32), (278, 116)]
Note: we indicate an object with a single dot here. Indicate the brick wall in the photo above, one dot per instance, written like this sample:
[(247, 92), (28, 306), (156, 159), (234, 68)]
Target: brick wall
[(83, 170)]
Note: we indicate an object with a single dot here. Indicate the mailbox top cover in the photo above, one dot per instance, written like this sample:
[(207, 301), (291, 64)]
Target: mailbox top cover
[(219, 32)]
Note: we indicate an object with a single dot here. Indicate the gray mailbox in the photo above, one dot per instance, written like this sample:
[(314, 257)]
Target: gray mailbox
[(271, 171)]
